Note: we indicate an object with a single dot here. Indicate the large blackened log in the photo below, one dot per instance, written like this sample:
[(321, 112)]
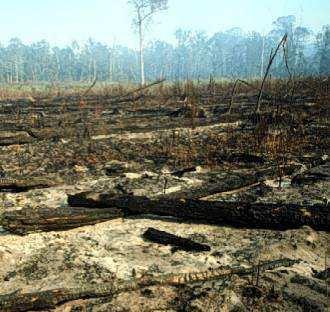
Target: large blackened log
[(28, 220), (242, 214), (245, 214), (185, 205), (23, 185)]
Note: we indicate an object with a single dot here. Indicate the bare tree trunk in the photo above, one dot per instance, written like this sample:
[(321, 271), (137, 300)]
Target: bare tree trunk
[(90, 78), (262, 57), (33, 75), (110, 75), (94, 70), (16, 71), (143, 79), (11, 74)]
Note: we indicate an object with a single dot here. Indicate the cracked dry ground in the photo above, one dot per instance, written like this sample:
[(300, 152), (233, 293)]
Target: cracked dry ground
[(149, 161)]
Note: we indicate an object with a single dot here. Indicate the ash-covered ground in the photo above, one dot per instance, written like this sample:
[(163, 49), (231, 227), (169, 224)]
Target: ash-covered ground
[(169, 147)]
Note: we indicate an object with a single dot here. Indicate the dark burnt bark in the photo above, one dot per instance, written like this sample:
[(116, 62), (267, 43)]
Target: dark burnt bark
[(241, 214), (179, 243), (23, 185), (30, 220)]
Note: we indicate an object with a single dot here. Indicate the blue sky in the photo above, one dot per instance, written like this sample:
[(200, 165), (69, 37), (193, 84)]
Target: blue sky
[(61, 21)]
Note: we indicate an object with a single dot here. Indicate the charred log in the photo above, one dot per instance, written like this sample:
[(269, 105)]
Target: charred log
[(19, 301), (23, 185), (179, 243), (100, 208), (30, 220)]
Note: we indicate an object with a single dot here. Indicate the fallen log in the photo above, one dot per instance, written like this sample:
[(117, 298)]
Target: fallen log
[(277, 216), (29, 220), (242, 214), (227, 182), (14, 137), (49, 299), (23, 185), (230, 182), (313, 175), (179, 243)]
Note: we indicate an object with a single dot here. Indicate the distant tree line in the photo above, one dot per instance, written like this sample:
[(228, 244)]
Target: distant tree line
[(229, 54)]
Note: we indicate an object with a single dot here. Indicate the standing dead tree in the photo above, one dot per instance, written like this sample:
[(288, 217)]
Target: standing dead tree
[(271, 60), (144, 11)]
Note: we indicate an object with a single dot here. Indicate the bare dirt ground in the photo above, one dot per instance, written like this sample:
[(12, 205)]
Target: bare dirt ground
[(83, 177)]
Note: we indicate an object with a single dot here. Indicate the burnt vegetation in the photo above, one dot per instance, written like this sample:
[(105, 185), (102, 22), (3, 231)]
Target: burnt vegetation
[(211, 126), (247, 155)]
